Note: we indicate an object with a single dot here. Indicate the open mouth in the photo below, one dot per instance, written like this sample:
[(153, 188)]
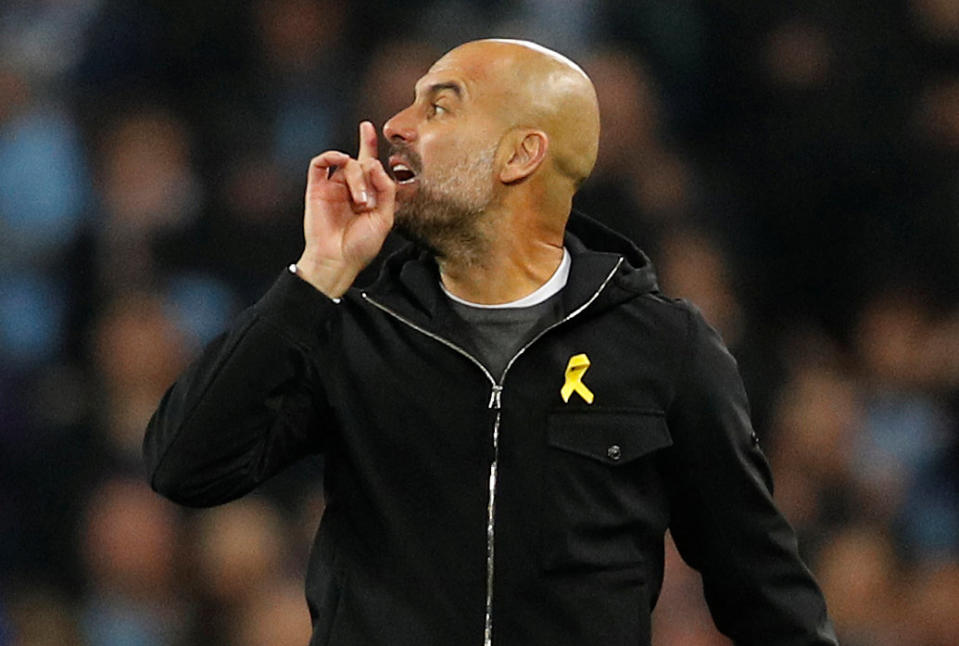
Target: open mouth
[(402, 173)]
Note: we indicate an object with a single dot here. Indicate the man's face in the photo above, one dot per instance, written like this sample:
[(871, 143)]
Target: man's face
[(442, 155)]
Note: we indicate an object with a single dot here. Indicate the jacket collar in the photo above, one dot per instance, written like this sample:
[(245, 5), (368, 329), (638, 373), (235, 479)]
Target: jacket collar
[(409, 283)]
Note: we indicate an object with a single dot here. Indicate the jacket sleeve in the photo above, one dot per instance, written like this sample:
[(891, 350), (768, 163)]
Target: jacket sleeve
[(723, 518), (250, 405)]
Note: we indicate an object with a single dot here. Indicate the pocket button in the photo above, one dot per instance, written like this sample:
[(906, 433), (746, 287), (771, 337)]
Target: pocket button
[(614, 452)]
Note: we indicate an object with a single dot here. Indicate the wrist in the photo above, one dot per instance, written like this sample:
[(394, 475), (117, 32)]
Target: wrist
[(332, 279)]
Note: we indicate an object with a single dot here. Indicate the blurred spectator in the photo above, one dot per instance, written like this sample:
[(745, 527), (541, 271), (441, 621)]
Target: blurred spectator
[(43, 198), (694, 264), (254, 231), (937, 19), (239, 566), (393, 68), (44, 190), (567, 26), (46, 38), (308, 517), (903, 455), (284, 105), (148, 230), (673, 37), (860, 576), (150, 199), (798, 54), (446, 24), (40, 617), (681, 615), (138, 352), (278, 617), (240, 548), (939, 113), (814, 427), (42, 173), (691, 266), (641, 184), (128, 541), (934, 606), (300, 68)]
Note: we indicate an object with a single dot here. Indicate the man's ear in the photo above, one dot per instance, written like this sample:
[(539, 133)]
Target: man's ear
[(526, 154)]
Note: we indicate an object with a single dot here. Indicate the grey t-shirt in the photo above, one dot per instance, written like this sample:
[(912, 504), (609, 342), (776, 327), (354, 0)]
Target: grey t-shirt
[(497, 334)]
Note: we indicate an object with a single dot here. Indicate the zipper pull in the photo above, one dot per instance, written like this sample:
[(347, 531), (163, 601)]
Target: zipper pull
[(494, 397)]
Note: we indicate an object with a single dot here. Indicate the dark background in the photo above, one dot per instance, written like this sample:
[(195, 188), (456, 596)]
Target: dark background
[(792, 167)]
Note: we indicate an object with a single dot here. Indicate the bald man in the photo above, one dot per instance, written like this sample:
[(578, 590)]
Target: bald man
[(512, 416)]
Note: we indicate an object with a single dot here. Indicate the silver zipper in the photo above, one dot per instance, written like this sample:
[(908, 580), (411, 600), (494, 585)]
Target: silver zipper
[(436, 337), (579, 309), (495, 403), (491, 520)]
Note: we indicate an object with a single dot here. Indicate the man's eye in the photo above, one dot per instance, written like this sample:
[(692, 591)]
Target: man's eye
[(436, 108)]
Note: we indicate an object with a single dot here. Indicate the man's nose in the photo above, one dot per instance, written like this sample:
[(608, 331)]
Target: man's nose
[(400, 127)]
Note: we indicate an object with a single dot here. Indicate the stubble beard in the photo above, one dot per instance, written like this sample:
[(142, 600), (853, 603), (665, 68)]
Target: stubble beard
[(445, 214)]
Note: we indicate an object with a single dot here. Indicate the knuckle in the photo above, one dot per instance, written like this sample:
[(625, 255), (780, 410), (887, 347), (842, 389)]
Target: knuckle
[(326, 157)]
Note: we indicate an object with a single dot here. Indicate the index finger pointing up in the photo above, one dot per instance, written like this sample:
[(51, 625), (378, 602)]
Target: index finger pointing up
[(368, 142)]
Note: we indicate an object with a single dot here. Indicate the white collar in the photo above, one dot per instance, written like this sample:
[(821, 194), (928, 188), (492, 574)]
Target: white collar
[(552, 286)]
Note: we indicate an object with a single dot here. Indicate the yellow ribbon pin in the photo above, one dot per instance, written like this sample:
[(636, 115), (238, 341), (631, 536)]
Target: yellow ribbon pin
[(575, 369)]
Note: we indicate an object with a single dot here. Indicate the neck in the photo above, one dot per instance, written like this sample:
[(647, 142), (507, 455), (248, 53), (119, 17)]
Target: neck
[(520, 255)]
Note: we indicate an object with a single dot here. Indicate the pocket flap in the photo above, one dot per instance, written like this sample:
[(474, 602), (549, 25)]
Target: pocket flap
[(613, 437)]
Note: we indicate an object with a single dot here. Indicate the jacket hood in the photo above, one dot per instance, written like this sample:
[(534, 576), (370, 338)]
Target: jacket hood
[(411, 272), (636, 272)]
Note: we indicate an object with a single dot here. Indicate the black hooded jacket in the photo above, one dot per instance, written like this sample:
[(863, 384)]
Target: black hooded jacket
[(465, 507)]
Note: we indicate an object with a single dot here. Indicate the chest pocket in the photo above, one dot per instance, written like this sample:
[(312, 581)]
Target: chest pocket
[(603, 499)]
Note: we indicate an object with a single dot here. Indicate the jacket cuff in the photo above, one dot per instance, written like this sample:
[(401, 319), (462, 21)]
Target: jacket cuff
[(295, 307)]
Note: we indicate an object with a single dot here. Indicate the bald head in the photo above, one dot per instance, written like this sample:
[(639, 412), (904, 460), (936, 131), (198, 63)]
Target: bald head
[(534, 87)]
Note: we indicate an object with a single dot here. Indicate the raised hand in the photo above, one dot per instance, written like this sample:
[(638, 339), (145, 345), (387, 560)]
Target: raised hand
[(347, 215)]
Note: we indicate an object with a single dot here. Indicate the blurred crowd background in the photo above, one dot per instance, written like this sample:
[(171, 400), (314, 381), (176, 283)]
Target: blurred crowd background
[(792, 167)]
